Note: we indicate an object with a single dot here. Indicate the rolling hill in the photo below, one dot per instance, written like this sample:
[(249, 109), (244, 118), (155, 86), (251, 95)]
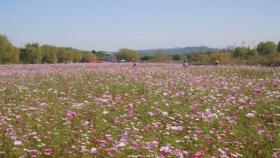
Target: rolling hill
[(178, 50)]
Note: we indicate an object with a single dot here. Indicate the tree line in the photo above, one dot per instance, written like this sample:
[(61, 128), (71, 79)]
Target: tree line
[(33, 53), (266, 53)]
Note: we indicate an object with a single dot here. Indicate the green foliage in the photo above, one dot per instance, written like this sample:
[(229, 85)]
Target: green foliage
[(103, 56), (161, 56), (72, 57), (77, 57), (8, 53), (252, 53), (264, 54), (265, 48), (32, 54), (88, 57), (64, 56), (198, 58), (146, 58), (49, 54), (278, 47), (177, 57), (12, 57), (222, 57), (128, 55), (68, 55), (274, 59), (240, 52)]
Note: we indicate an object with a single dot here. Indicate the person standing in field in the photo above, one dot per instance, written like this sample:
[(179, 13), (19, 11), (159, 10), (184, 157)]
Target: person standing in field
[(217, 62), (185, 64)]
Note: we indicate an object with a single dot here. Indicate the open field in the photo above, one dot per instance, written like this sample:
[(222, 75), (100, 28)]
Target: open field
[(153, 110)]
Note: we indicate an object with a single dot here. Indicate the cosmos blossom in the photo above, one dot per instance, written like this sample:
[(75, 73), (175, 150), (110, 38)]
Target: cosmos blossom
[(156, 110), (250, 115), (48, 152), (70, 115), (93, 150), (198, 133)]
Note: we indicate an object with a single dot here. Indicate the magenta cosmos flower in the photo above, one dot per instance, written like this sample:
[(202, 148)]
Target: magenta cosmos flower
[(70, 115), (48, 152)]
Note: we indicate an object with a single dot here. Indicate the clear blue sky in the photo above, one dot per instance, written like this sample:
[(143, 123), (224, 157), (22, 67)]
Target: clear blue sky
[(140, 24)]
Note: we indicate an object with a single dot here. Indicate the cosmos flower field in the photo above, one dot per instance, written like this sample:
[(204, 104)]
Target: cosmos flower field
[(152, 110)]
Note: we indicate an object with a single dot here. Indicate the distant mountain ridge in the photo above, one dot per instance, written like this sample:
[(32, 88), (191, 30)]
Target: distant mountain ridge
[(179, 50)]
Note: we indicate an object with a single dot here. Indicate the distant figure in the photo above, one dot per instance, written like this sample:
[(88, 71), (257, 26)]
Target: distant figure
[(217, 62), (185, 64), (134, 64)]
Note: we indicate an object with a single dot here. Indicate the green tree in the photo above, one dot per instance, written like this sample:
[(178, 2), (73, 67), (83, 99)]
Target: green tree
[(8, 53), (32, 54), (62, 55), (77, 57), (128, 55), (68, 55), (146, 58), (240, 52), (101, 55), (273, 59), (88, 57), (278, 47), (252, 52), (161, 56), (49, 54), (222, 57), (12, 57), (265, 48), (198, 58), (71, 55), (177, 57)]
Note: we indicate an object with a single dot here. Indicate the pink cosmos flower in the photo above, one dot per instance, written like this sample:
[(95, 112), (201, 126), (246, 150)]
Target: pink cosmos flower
[(33, 152), (18, 142), (193, 107), (258, 91), (222, 151), (198, 133), (178, 153), (70, 115), (136, 145), (48, 152), (208, 141), (165, 150), (199, 154), (86, 123), (250, 115), (93, 150), (152, 145), (151, 113)]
